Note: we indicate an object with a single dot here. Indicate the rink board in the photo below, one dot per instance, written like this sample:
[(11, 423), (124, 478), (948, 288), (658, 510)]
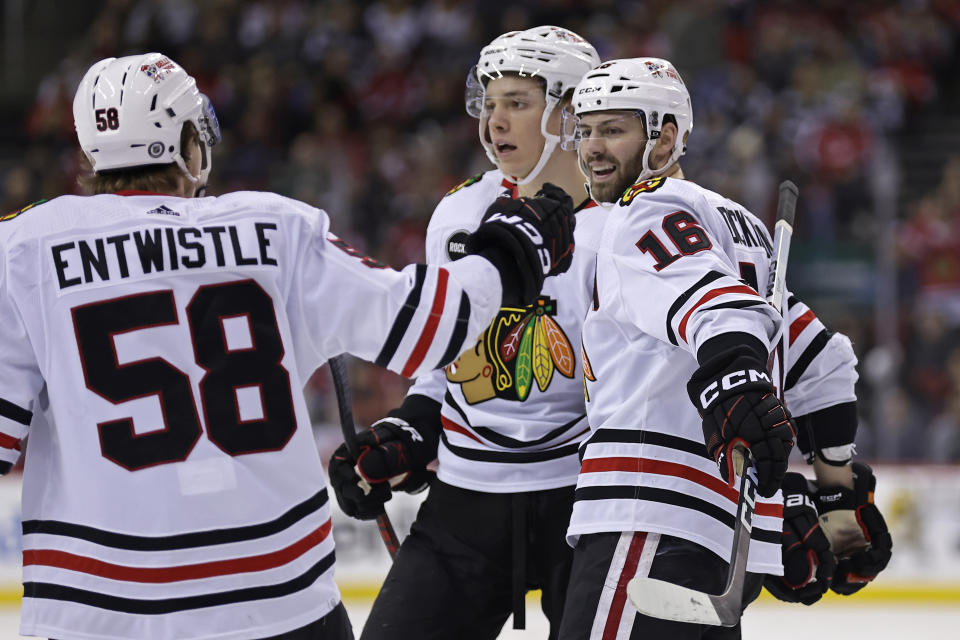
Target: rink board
[(920, 503)]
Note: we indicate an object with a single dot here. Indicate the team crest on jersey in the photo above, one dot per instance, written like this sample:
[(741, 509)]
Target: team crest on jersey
[(14, 214), (643, 186), (457, 245), (466, 183), (521, 348)]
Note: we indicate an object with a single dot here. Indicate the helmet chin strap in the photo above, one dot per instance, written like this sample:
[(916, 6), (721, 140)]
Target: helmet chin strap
[(199, 181), (550, 143), (586, 185), (487, 146), (645, 174)]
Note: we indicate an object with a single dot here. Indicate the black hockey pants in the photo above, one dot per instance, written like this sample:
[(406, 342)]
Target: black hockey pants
[(597, 606), (453, 576)]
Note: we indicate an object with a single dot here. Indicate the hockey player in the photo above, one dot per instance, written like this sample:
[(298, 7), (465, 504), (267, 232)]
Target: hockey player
[(154, 349), (677, 308), (508, 415)]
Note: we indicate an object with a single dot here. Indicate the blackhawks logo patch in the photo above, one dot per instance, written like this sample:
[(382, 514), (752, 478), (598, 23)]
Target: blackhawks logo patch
[(466, 183), (521, 348), (644, 186), (14, 214)]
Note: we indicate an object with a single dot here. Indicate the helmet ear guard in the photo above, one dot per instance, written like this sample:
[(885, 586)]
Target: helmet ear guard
[(129, 112)]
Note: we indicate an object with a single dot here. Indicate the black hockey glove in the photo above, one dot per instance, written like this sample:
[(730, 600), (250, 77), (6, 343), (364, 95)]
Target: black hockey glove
[(739, 406), (394, 454), (808, 563), (857, 531), (526, 239)]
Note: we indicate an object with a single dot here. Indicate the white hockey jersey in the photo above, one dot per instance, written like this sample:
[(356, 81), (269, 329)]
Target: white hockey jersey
[(678, 265), (512, 407), (155, 349)]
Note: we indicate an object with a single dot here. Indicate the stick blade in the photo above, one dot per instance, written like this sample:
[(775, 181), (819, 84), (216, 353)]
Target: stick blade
[(667, 601)]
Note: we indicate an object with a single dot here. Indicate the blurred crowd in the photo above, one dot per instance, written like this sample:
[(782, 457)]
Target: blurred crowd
[(357, 107)]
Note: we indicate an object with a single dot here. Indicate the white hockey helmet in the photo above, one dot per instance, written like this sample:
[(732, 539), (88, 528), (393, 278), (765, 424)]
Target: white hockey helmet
[(558, 55), (649, 86), (129, 112)]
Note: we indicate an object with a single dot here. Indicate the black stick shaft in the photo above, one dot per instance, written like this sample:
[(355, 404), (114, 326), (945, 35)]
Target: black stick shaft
[(341, 386)]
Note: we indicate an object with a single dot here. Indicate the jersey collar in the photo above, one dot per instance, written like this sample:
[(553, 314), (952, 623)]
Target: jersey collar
[(134, 192), (512, 186), (514, 193)]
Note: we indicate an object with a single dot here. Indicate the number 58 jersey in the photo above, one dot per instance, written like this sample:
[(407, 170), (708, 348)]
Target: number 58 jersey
[(154, 350)]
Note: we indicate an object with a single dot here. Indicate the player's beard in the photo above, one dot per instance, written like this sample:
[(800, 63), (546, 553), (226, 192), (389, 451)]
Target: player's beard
[(623, 176)]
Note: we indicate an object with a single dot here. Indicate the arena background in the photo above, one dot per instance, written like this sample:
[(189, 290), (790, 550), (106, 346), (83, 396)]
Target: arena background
[(357, 107)]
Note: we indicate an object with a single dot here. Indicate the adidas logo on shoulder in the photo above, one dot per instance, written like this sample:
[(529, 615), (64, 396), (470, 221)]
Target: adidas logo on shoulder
[(163, 210)]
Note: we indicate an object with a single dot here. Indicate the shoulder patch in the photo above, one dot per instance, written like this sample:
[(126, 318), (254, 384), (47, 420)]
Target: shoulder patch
[(466, 183), (14, 214), (456, 245), (643, 186)]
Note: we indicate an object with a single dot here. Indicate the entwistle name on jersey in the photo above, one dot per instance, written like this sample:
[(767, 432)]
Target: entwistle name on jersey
[(151, 250)]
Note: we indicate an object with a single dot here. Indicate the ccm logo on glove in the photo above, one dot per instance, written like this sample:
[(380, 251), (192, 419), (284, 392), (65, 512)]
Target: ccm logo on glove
[(731, 380)]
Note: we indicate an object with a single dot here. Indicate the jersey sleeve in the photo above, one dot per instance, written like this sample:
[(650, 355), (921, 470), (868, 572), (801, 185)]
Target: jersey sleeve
[(676, 284), (20, 378), (432, 384), (408, 321), (821, 374)]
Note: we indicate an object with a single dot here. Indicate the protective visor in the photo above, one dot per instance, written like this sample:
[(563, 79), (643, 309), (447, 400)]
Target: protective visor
[(209, 125), (573, 131), (473, 93)]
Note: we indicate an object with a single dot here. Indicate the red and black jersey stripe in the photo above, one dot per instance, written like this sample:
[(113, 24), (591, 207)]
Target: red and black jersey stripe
[(74, 562), (181, 540), (430, 328), (674, 498), (639, 436), (15, 412), (511, 457), (802, 361), (171, 605), (459, 334), (683, 298), (492, 435), (402, 321)]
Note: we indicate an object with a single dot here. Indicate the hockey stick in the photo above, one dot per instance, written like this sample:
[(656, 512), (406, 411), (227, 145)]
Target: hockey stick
[(668, 601), (341, 386)]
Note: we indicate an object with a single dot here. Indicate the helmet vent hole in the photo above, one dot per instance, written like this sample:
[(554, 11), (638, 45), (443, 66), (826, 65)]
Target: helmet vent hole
[(153, 103), (124, 81), (157, 125), (171, 113), (121, 96), (616, 87)]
